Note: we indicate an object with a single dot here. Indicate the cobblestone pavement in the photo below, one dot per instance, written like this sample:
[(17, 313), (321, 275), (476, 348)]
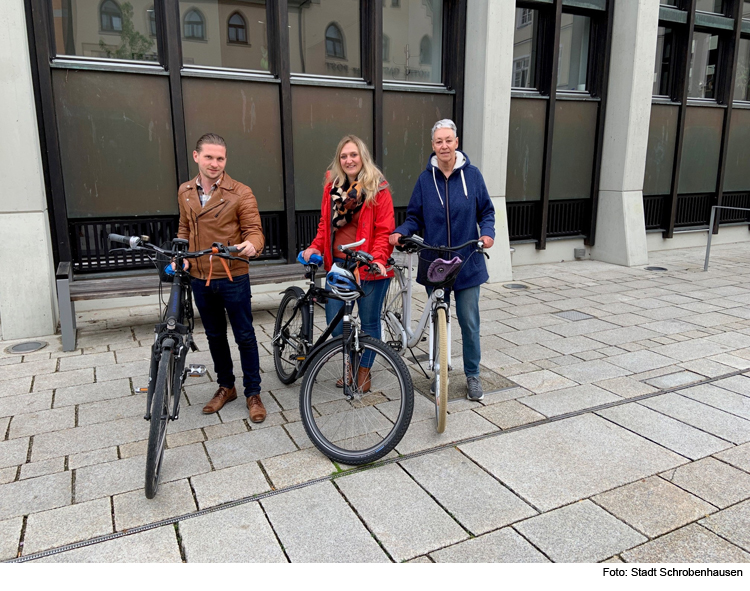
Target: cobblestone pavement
[(627, 438)]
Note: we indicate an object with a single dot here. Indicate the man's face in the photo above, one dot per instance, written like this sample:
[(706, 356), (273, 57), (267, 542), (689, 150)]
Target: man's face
[(211, 161), (445, 143)]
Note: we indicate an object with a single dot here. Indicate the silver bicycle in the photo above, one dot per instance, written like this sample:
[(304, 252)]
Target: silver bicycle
[(439, 267)]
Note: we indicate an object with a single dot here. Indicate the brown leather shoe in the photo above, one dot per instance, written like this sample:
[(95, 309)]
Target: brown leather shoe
[(363, 379), (222, 396), (256, 408)]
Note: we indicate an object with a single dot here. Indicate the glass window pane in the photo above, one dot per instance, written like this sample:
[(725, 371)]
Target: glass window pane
[(668, 2), (573, 149), (662, 133), (737, 172), (573, 64), (524, 48), (247, 116), (710, 6), (224, 34), (746, 9), (116, 144), (415, 32), (324, 37), (109, 29), (408, 120), (703, 62), (700, 150), (742, 81), (320, 118), (663, 66), (525, 149)]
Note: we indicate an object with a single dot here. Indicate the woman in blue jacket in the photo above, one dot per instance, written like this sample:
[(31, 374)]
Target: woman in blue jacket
[(450, 205)]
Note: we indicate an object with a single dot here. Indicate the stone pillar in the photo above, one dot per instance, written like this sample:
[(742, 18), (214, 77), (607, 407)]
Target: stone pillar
[(490, 28), (620, 225), (27, 285)]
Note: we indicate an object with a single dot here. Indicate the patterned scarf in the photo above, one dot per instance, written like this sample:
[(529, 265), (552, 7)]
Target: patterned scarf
[(345, 201)]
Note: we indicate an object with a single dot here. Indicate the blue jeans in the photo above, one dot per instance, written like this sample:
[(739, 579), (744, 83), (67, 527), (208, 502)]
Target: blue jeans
[(467, 310), (234, 298), (369, 312)]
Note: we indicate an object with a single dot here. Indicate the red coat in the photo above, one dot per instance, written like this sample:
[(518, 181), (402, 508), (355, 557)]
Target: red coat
[(376, 224)]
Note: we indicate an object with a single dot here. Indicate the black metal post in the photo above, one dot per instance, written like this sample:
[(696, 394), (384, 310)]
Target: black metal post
[(170, 27)]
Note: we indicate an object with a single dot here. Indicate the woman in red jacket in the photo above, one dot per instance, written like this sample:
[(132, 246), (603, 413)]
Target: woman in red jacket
[(356, 204)]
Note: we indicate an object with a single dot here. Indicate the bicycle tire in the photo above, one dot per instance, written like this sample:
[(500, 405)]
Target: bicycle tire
[(441, 373), (157, 433), (284, 354), (369, 426), (392, 315)]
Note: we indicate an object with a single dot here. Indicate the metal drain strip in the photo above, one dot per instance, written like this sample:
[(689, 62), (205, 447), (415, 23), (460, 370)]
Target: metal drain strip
[(331, 477)]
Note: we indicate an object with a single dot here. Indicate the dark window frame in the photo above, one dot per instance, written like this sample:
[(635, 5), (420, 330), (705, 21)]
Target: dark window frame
[(192, 36), (110, 26), (338, 47), (236, 28)]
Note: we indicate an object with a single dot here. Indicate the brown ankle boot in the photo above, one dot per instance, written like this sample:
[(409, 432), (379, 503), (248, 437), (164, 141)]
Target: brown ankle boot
[(222, 396), (363, 379), (340, 381)]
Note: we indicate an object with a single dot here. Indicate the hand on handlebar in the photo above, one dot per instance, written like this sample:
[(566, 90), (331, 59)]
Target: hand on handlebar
[(487, 241), (309, 252), (247, 248), (377, 269), (394, 238), (185, 265)]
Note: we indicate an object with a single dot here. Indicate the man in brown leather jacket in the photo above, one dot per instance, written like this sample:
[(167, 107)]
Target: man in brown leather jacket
[(215, 208)]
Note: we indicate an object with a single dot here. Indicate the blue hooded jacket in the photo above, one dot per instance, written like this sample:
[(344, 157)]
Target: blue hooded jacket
[(463, 200)]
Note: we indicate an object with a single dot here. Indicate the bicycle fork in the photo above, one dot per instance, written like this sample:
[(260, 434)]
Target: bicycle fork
[(431, 347)]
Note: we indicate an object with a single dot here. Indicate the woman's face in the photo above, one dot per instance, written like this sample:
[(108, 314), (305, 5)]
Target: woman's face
[(350, 160)]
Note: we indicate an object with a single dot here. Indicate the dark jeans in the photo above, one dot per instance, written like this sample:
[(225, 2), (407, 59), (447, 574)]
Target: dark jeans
[(234, 298)]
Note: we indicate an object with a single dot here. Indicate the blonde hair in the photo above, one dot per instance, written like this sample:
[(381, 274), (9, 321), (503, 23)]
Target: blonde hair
[(370, 177)]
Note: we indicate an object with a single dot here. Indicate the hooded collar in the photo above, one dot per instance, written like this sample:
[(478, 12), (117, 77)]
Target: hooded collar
[(462, 161)]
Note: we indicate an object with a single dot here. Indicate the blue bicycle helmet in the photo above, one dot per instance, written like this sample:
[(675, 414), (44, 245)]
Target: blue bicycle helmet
[(341, 280)]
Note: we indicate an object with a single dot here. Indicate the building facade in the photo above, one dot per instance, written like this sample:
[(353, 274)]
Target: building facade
[(610, 126)]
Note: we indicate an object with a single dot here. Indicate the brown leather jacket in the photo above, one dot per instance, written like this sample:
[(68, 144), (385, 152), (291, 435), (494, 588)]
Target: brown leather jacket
[(230, 217)]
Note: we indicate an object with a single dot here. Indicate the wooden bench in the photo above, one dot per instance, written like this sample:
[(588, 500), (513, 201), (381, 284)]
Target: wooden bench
[(72, 289)]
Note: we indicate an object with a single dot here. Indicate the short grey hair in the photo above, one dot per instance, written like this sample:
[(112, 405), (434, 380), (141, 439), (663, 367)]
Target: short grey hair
[(444, 123)]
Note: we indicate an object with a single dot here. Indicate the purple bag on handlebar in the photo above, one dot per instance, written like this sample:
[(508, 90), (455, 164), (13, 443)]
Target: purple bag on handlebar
[(440, 271)]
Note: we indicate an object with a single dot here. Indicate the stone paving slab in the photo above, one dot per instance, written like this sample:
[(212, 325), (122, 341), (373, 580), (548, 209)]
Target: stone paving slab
[(43, 421), (245, 536), (714, 481), (739, 384), (568, 400), (297, 467), (674, 380), (626, 387), (510, 413), (247, 447), (422, 435), (86, 361), (13, 452), (399, 513), (653, 506), (581, 532), (25, 403), (738, 456), (92, 393), (701, 416), (111, 410), (10, 536), (732, 524), (693, 349), (133, 508), (692, 543), (561, 462), (671, 433), (736, 404), (541, 381), (36, 494), (504, 545), (154, 545), (315, 524), (475, 499), (34, 469), (228, 484), (57, 527), (591, 371)]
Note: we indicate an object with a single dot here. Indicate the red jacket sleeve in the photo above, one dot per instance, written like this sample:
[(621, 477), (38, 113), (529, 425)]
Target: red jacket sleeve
[(320, 238), (384, 224)]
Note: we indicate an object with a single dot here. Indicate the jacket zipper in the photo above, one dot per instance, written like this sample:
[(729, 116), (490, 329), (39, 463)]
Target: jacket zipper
[(447, 212)]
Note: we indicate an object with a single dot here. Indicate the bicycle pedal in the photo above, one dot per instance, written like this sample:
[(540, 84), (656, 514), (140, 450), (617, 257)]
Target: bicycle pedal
[(143, 390), (301, 358), (395, 345), (196, 371)]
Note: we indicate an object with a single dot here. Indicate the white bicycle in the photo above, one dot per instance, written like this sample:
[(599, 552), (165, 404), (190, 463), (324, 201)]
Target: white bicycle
[(438, 269)]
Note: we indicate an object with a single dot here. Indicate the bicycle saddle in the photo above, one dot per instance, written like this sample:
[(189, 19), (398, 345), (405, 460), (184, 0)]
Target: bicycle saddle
[(441, 270)]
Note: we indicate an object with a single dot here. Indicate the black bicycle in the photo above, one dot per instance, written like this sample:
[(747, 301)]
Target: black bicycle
[(356, 398), (173, 339)]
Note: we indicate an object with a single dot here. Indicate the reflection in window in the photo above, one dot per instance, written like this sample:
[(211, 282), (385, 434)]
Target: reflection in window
[(668, 2), (334, 42), (237, 29), (425, 50), (663, 66), (746, 9), (415, 31), (742, 81), (324, 37), (110, 16), (524, 49), (710, 6), (194, 25), (386, 48), (703, 61), (151, 21), (228, 47), (572, 68)]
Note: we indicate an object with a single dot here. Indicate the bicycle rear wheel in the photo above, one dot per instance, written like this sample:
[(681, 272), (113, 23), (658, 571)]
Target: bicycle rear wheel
[(161, 404), (392, 315), (287, 335), (370, 424), (441, 369)]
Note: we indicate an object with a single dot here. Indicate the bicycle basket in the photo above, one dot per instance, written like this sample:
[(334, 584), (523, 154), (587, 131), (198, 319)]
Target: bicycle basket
[(438, 268), (162, 261)]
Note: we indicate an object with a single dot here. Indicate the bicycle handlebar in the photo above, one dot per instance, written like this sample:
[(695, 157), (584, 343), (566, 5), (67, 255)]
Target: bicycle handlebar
[(140, 243), (420, 244)]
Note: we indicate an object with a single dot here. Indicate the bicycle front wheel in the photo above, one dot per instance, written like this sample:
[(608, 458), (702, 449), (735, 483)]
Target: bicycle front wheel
[(160, 408), (364, 426), (441, 369), (287, 335)]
